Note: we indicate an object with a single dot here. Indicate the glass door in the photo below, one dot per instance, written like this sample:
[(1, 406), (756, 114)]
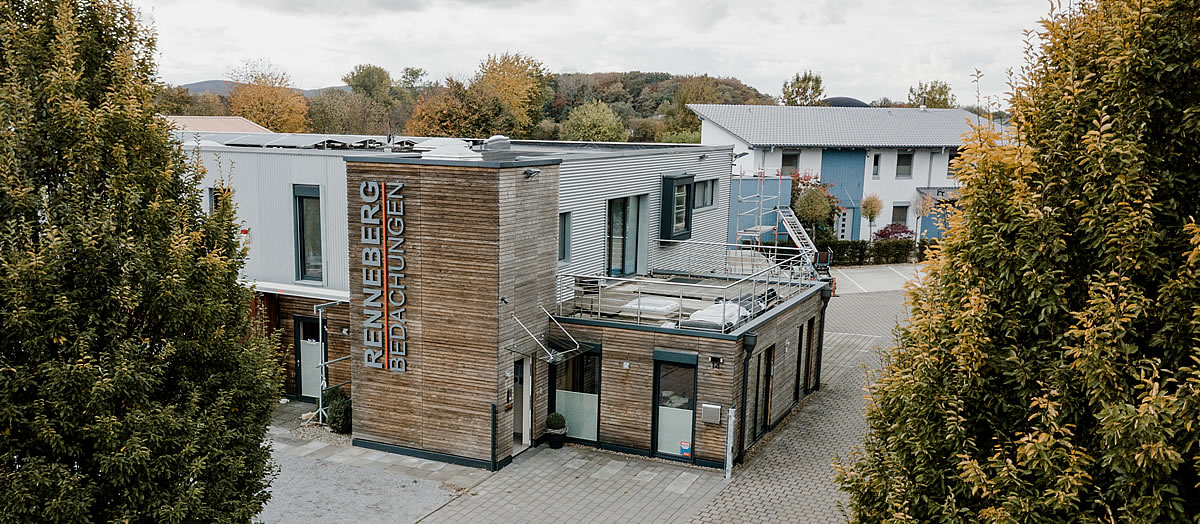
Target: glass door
[(577, 395), (617, 218), (624, 234), (675, 391)]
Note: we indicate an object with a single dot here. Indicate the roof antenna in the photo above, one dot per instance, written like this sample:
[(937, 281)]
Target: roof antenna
[(922, 102)]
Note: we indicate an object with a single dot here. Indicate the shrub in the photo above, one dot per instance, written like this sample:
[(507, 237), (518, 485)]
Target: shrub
[(339, 409), (893, 251), (556, 421), (341, 415), (893, 231), (1047, 370)]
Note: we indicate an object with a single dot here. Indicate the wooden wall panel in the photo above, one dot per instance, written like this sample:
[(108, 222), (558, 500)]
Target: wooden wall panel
[(337, 345), (472, 236)]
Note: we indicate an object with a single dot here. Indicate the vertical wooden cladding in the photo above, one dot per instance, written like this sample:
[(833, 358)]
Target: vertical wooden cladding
[(528, 260), (337, 345), (782, 332), (442, 401)]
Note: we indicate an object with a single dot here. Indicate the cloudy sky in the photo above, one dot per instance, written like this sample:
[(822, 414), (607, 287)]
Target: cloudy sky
[(863, 48)]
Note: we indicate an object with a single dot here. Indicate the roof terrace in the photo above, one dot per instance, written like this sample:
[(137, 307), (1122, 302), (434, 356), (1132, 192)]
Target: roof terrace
[(707, 286)]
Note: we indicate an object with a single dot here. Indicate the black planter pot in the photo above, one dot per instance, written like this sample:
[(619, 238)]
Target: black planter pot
[(556, 440)]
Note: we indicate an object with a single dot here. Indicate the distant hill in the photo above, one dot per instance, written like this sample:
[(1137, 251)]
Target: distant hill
[(223, 87), (217, 87)]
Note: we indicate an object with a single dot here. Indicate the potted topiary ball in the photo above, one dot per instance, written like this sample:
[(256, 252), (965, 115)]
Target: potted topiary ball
[(556, 430)]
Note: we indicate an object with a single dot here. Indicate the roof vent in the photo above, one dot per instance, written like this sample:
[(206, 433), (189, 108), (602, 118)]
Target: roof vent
[(497, 143)]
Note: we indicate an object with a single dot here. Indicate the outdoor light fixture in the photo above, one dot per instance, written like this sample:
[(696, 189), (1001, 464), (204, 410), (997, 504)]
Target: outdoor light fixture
[(740, 155), (703, 156), (532, 172)]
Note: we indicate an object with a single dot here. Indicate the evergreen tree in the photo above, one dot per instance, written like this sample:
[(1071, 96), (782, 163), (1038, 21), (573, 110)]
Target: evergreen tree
[(133, 385), (1050, 371)]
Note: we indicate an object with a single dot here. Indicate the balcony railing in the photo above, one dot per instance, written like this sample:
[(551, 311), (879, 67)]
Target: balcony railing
[(695, 285)]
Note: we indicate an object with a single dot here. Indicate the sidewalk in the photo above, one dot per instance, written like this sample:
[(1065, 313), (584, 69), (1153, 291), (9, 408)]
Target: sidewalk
[(325, 482)]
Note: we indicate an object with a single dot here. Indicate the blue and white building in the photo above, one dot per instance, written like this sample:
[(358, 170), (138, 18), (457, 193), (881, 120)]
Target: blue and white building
[(903, 155)]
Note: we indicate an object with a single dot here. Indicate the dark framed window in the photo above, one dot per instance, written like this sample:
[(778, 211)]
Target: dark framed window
[(875, 166), (950, 169), (564, 237), (900, 214), (706, 193), (904, 165), (790, 164), (678, 194), (309, 262)]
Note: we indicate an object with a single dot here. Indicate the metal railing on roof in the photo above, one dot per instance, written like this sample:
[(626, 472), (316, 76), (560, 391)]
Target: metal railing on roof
[(707, 286)]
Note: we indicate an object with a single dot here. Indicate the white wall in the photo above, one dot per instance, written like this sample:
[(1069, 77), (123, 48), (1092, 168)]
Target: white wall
[(262, 181), (586, 186), (714, 135), (929, 170)]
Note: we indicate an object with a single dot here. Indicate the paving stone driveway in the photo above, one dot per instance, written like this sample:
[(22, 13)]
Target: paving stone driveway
[(790, 479), (581, 484)]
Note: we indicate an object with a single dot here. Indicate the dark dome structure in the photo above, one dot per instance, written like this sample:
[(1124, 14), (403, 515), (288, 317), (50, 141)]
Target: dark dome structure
[(844, 101)]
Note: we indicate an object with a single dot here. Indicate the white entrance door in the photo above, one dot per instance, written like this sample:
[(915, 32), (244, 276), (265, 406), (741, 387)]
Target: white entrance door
[(310, 373)]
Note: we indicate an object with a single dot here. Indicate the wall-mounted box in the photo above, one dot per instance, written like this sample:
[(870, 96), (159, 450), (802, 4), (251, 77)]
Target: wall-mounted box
[(710, 413)]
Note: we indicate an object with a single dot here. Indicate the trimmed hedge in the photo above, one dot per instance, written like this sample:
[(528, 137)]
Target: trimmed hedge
[(861, 252), (893, 251)]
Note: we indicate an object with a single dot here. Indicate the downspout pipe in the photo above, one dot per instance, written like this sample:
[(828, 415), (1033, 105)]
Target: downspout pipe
[(749, 341), (826, 294)]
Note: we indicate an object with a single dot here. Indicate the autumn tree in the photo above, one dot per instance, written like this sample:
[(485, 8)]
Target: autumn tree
[(594, 121), (208, 104), (339, 112), (804, 90), (460, 111), (871, 206), (371, 81), (172, 100), (1050, 370), (934, 95), (134, 387), (264, 94), (520, 83), (693, 90)]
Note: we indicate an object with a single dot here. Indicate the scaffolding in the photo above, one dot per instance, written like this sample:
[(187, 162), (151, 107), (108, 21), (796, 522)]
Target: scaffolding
[(768, 214)]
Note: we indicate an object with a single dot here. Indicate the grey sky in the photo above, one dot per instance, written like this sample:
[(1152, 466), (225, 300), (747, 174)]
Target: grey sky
[(863, 48)]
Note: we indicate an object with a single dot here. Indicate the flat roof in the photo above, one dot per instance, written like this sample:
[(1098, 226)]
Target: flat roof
[(358, 148)]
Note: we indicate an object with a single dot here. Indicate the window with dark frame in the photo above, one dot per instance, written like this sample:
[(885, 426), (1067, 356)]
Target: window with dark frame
[(790, 164), (309, 263), (900, 214), (875, 166), (564, 237), (705, 193), (676, 203), (904, 165)]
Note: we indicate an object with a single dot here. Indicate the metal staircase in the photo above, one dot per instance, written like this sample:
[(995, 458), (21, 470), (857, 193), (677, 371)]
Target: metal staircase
[(800, 237)]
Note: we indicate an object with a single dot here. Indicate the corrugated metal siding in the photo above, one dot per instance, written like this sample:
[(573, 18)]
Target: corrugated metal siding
[(262, 184), (587, 185)]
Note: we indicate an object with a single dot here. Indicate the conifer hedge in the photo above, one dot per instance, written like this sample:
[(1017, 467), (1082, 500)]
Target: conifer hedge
[(1050, 371), (133, 386)]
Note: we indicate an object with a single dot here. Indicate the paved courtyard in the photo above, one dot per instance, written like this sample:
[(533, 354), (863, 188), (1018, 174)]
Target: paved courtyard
[(788, 478)]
